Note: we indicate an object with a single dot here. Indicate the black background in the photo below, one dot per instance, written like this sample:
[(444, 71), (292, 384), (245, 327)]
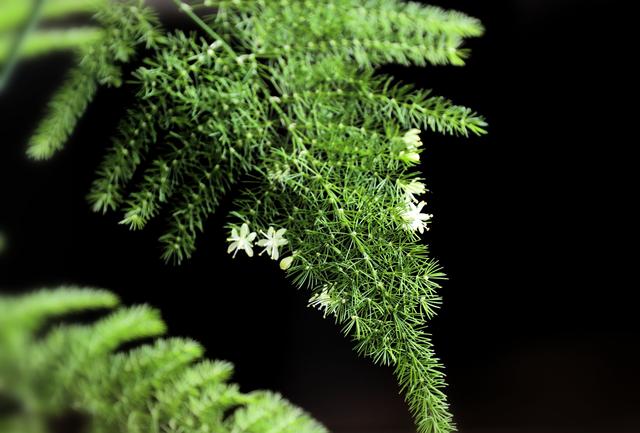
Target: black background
[(539, 332)]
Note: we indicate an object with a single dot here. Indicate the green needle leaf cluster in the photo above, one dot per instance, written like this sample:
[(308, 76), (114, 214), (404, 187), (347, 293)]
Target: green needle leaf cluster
[(164, 386), (124, 27), (283, 98)]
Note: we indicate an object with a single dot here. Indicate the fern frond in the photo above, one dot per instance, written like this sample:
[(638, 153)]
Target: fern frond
[(414, 109), (14, 12), (362, 267), (30, 313), (151, 388), (371, 34), (283, 98), (65, 108), (126, 25), (411, 18), (125, 326), (121, 162), (46, 41), (61, 8), (269, 412)]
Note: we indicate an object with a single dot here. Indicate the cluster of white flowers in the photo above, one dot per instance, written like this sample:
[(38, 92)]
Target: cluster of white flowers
[(413, 217), (412, 140), (271, 242)]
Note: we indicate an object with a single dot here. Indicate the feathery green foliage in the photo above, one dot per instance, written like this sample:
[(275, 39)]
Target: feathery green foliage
[(125, 26), (159, 387), (284, 98)]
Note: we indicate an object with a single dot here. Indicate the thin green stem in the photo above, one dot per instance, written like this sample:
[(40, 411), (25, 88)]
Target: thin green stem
[(188, 9), (14, 53)]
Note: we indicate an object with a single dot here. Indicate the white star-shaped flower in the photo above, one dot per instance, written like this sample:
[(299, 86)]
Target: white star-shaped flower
[(322, 301), (272, 241), (241, 241), (414, 219)]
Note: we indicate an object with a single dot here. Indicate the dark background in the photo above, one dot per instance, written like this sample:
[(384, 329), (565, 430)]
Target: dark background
[(539, 331)]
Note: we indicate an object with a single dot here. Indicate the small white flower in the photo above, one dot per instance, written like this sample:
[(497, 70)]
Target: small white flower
[(413, 188), (412, 139), (241, 241), (273, 240), (321, 301), (414, 219)]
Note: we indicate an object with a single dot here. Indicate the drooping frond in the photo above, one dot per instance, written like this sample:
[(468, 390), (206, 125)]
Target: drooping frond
[(284, 99)]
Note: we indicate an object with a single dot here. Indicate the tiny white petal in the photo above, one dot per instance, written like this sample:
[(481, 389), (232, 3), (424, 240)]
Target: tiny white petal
[(232, 246), (272, 241)]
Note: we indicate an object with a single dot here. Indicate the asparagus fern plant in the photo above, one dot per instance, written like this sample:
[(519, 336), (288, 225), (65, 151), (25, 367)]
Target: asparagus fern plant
[(283, 101), (160, 387)]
